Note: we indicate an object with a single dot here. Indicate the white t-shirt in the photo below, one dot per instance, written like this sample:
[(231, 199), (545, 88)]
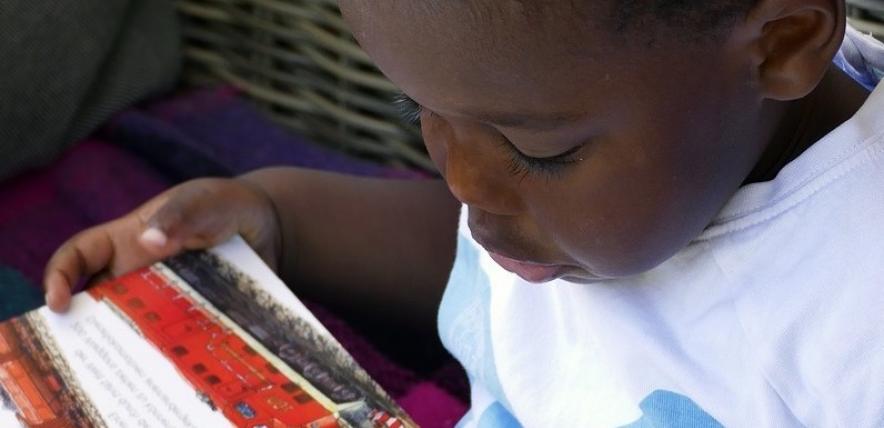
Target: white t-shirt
[(773, 317)]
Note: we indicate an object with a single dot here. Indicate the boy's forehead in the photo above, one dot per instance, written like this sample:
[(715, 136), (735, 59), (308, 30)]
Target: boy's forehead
[(460, 49), (554, 20)]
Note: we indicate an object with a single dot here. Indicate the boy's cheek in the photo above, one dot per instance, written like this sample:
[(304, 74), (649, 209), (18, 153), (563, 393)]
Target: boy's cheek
[(619, 215), (434, 142)]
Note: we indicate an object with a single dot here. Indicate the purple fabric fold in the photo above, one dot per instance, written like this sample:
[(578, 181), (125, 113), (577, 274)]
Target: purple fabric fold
[(213, 132)]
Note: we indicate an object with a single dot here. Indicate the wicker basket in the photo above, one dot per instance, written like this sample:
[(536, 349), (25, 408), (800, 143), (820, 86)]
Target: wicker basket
[(867, 16), (299, 62)]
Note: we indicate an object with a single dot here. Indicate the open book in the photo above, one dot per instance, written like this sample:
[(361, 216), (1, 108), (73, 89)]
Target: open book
[(205, 339)]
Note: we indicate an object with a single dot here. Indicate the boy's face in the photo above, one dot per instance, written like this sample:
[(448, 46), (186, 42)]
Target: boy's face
[(645, 142)]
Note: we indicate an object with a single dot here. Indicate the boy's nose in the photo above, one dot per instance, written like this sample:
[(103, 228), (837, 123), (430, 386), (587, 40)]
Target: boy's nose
[(477, 181)]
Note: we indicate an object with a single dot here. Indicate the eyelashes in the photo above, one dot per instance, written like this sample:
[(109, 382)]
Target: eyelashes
[(519, 164), (408, 108)]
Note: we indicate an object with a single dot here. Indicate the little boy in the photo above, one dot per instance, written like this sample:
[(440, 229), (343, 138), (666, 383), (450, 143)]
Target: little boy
[(672, 210)]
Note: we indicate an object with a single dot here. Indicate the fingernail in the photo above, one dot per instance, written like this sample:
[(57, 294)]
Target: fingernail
[(154, 237), (51, 298)]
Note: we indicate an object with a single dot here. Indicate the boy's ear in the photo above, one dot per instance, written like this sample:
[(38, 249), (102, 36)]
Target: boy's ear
[(795, 41)]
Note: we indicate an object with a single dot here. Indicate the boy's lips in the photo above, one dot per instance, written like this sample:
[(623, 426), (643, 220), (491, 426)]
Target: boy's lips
[(531, 272), (516, 261)]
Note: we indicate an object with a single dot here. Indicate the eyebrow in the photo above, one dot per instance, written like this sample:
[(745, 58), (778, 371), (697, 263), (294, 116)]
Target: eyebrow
[(527, 120)]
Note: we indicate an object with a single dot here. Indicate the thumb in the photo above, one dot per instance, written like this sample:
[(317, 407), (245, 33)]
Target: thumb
[(164, 225), (154, 240), (189, 218)]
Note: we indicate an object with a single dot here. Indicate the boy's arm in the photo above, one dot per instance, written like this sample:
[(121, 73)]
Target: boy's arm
[(374, 247), (381, 248)]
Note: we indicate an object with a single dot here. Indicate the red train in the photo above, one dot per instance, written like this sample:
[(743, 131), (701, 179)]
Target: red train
[(229, 374), (33, 388), (383, 419)]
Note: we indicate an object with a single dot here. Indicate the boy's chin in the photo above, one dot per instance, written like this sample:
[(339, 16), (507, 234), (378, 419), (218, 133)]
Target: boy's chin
[(582, 280), (581, 276)]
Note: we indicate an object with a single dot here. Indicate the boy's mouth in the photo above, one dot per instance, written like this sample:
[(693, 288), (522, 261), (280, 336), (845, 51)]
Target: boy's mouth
[(515, 258), (531, 272)]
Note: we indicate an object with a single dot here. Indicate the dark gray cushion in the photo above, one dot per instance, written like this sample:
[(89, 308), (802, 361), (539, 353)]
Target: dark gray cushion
[(66, 66)]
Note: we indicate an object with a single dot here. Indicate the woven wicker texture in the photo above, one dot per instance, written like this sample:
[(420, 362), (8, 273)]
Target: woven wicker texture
[(867, 16), (299, 62)]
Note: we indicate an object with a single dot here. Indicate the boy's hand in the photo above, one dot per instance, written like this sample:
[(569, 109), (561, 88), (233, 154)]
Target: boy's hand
[(194, 215)]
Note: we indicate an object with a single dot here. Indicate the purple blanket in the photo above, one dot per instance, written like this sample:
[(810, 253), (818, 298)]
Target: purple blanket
[(144, 150)]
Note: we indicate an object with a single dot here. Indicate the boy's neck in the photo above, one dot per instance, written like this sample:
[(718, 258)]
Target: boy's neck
[(808, 120)]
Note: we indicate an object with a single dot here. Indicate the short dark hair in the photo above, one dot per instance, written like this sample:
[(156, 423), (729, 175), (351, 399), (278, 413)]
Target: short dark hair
[(703, 17), (688, 19)]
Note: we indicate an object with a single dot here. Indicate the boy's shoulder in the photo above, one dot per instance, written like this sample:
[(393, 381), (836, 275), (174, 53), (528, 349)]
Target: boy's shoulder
[(841, 171), (804, 256)]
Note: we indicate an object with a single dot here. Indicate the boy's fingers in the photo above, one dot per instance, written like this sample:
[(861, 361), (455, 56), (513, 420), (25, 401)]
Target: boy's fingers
[(190, 216), (83, 255), (58, 292)]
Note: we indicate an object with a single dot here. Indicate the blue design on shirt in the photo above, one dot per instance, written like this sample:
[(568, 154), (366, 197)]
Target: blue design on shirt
[(497, 416), (665, 409)]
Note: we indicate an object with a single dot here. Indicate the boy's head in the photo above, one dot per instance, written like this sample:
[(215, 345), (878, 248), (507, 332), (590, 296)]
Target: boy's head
[(595, 138)]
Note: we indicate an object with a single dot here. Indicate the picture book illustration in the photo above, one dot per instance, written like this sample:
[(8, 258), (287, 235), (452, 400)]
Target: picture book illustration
[(204, 339)]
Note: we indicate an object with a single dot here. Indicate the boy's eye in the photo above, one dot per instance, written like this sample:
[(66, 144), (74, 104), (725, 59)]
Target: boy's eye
[(408, 108), (520, 164), (523, 165)]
